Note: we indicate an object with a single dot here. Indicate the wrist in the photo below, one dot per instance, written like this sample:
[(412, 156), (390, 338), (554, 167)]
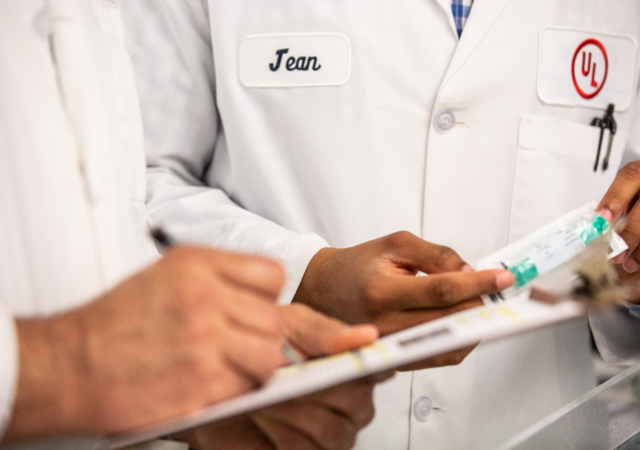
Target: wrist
[(312, 287), (48, 400)]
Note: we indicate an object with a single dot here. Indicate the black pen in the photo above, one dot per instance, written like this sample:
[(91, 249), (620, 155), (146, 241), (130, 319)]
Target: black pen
[(165, 241), (612, 125), (161, 238), (605, 123), (598, 122)]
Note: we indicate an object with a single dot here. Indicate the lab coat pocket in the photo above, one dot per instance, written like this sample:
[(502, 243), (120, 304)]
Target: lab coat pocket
[(554, 170)]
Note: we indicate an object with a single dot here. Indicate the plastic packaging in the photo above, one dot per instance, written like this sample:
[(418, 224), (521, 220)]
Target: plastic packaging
[(550, 247), (558, 249)]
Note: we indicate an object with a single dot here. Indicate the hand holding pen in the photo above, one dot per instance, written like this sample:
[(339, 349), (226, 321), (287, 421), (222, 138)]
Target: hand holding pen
[(165, 241), (327, 419)]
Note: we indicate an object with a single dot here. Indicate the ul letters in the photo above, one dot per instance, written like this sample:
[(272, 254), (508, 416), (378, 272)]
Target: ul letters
[(589, 68)]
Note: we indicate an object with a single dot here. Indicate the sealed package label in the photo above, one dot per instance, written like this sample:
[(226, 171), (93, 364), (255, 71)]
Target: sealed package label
[(558, 249), (550, 248)]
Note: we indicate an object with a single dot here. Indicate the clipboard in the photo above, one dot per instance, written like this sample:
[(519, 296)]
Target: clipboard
[(486, 323)]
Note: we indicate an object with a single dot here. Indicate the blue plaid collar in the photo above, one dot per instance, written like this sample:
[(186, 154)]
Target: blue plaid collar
[(461, 10)]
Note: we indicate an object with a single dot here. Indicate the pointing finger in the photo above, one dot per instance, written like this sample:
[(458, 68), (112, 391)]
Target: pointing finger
[(441, 290)]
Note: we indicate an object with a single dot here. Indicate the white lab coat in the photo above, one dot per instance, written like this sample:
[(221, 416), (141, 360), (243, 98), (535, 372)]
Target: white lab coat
[(72, 217), (285, 165)]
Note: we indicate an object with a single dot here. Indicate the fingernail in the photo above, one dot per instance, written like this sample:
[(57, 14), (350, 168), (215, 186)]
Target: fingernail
[(631, 265), (504, 280), (364, 329), (468, 268), (620, 258), (606, 213)]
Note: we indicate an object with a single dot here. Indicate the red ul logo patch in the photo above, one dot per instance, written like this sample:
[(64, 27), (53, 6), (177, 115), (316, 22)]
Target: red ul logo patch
[(589, 68)]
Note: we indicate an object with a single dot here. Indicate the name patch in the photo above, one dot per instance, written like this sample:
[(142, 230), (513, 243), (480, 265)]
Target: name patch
[(294, 60), (585, 68)]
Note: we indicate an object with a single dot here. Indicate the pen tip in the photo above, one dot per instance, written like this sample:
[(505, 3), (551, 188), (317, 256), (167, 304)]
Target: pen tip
[(160, 236)]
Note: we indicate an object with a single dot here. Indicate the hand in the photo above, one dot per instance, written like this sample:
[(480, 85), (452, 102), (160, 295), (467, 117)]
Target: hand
[(326, 420), (376, 282), (620, 200), (197, 327), (631, 283)]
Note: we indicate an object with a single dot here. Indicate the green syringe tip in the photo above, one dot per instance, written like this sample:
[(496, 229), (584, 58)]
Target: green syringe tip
[(596, 228), (523, 272), (600, 224)]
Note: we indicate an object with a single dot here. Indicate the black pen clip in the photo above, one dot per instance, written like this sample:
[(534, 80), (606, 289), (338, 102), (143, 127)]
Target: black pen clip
[(605, 123), (612, 125)]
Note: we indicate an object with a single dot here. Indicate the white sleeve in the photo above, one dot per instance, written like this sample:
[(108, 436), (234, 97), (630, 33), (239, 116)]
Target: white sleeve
[(616, 332), (170, 45), (8, 367)]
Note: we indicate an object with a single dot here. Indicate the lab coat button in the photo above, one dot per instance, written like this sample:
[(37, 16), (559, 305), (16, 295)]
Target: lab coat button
[(444, 120), (422, 409)]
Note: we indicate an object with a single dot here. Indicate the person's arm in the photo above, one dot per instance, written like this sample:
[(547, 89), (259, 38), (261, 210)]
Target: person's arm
[(170, 46), (171, 339)]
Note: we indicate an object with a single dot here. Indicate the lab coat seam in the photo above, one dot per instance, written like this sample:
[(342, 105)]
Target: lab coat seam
[(185, 56), (32, 292), (513, 184), (410, 411)]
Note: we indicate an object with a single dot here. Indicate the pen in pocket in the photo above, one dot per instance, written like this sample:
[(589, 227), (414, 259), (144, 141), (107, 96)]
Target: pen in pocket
[(605, 123)]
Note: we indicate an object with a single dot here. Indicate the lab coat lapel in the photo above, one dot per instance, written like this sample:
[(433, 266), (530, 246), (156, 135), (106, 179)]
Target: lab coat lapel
[(484, 15), (446, 6)]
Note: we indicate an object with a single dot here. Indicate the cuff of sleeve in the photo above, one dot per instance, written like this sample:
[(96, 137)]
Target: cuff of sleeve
[(295, 254), (8, 367), (617, 335)]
